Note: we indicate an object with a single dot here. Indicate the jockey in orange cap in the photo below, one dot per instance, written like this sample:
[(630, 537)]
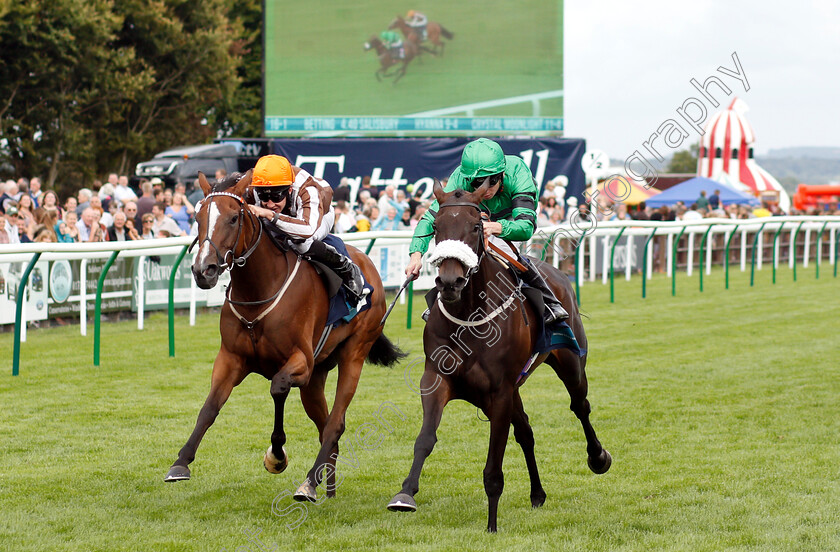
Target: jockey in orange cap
[(300, 205), (418, 22)]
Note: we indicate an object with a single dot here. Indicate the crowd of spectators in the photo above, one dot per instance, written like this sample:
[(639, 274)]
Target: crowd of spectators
[(113, 212), (104, 212)]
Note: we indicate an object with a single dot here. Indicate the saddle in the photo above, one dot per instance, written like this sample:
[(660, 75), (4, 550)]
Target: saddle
[(341, 309)]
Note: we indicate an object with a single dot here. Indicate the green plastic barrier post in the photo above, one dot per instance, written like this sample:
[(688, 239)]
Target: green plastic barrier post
[(702, 250), (98, 309), (752, 262), (370, 246), (726, 259), (172, 300), (612, 272), (19, 311), (644, 264), (674, 263)]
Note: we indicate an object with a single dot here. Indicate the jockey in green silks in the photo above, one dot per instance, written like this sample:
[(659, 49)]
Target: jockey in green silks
[(511, 201)]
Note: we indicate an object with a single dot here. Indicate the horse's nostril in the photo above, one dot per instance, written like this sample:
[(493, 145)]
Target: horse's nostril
[(460, 282), (210, 271)]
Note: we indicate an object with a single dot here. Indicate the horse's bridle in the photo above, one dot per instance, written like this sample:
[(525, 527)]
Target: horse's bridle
[(482, 249), (252, 218)]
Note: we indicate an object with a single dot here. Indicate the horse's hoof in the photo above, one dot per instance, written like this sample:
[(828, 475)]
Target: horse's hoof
[(177, 473), (538, 500), (306, 492), (603, 465), (402, 503), (272, 464)]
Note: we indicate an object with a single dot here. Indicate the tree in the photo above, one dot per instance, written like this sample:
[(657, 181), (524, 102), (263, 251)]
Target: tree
[(685, 161), (92, 86)]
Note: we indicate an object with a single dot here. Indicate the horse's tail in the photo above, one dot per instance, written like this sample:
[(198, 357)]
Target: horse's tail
[(446, 33), (385, 353)]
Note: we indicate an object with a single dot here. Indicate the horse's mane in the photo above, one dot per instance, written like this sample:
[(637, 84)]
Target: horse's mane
[(227, 182)]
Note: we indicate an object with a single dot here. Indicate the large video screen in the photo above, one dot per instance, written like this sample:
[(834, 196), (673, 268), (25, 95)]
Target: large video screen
[(489, 66)]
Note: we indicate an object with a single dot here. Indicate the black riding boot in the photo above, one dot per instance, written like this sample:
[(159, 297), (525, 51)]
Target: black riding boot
[(344, 266), (554, 311)]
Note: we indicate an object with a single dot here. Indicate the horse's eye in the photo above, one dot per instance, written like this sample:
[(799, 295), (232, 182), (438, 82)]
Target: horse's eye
[(478, 227), (234, 219)]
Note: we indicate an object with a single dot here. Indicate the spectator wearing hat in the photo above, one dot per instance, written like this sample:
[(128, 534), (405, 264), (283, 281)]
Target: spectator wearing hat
[(9, 226)]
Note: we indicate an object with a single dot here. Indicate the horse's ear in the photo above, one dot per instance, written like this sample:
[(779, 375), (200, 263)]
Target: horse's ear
[(202, 181), (243, 183), (437, 189)]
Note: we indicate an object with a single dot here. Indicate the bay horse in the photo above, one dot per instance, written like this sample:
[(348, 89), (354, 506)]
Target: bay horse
[(387, 59), (477, 348), (434, 32), (274, 315)]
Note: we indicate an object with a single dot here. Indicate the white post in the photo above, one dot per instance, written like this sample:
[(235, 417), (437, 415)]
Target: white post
[(628, 265), (141, 291), (791, 249), (709, 246), (807, 247), (22, 318), (605, 265), (669, 262), (83, 297), (760, 252), (649, 261), (743, 249), (582, 252), (593, 248), (690, 258)]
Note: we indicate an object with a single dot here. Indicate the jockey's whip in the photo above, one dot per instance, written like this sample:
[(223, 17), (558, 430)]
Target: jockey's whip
[(408, 280)]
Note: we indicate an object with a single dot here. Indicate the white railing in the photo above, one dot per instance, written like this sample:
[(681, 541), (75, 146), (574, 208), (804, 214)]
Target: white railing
[(565, 239)]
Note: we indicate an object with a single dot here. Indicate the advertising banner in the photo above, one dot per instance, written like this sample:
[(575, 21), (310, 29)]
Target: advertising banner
[(418, 161)]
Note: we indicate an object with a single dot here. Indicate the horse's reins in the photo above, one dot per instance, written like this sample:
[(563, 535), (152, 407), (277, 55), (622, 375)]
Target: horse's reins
[(483, 245), (240, 261), (234, 260)]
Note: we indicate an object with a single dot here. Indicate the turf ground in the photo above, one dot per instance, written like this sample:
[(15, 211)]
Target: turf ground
[(316, 64), (720, 410)]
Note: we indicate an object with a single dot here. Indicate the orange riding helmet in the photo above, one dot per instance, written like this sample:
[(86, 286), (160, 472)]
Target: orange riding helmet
[(272, 171)]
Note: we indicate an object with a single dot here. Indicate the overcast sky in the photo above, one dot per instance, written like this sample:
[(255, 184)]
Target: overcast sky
[(628, 66)]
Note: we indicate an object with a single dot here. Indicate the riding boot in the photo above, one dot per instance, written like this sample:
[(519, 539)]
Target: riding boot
[(554, 311), (343, 266)]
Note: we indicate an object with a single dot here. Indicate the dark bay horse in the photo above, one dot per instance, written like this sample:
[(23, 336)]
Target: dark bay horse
[(477, 345), (388, 60), (274, 316), (434, 32)]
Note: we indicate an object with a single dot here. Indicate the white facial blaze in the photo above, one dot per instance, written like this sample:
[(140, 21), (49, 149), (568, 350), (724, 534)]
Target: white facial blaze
[(212, 218)]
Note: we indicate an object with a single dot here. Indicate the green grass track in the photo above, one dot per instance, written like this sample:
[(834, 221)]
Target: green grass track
[(720, 409)]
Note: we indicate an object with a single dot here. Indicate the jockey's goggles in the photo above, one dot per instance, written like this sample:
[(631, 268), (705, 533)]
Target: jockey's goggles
[(476, 183), (275, 195)]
